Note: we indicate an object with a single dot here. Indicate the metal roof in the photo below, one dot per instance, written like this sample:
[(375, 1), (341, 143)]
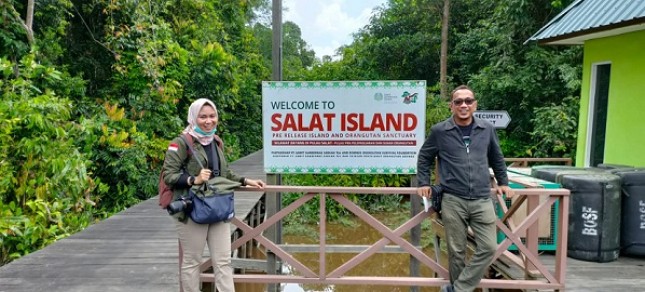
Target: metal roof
[(590, 19)]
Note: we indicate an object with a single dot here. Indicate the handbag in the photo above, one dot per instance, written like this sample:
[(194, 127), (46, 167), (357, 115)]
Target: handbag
[(209, 206), (212, 201)]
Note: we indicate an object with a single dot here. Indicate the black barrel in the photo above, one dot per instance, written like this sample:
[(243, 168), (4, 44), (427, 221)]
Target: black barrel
[(632, 231), (610, 166), (594, 216), (550, 172)]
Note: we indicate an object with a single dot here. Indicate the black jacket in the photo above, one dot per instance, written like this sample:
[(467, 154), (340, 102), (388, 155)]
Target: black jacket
[(463, 170)]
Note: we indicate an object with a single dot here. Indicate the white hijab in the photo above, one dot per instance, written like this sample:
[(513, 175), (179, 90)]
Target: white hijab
[(193, 113)]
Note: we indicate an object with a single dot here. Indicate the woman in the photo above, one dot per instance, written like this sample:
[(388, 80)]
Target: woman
[(181, 171)]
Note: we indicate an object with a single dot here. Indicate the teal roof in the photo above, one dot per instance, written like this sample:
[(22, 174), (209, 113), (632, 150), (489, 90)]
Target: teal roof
[(590, 19)]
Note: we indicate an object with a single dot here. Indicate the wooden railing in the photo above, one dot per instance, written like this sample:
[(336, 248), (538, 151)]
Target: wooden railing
[(527, 257)]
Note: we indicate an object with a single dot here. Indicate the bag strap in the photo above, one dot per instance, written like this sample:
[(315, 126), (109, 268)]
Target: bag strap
[(187, 138), (220, 143), (189, 141)]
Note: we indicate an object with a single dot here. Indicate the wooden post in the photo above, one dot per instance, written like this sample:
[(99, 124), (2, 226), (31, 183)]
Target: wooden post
[(274, 200), (415, 232), (273, 233)]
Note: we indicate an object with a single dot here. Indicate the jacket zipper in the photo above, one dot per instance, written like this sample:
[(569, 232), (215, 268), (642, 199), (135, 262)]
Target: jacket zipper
[(470, 183)]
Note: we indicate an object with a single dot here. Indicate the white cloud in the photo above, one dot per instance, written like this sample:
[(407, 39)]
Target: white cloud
[(333, 19), (290, 12), (326, 25), (326, 50)]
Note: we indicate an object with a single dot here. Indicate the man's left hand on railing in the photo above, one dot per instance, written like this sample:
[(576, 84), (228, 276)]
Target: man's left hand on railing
[(505, 190)]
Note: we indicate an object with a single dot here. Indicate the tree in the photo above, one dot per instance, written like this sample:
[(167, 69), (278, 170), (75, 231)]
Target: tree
[(508, 74), (400, 42), (445, 20), (297, 56)]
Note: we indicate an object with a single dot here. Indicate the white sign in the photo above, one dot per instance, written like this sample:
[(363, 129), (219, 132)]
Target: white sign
[(342, 126), (499, 119)]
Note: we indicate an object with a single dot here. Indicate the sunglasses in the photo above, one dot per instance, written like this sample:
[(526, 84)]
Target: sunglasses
[(459, 101)]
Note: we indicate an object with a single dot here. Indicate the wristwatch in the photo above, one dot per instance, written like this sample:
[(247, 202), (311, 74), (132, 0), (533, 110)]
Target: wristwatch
[(191, 180)]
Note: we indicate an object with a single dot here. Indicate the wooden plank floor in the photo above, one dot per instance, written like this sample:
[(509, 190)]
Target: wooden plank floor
[(627, 274), (136, 250)]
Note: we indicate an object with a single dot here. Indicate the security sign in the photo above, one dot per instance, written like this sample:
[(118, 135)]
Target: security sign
[(499, 119)]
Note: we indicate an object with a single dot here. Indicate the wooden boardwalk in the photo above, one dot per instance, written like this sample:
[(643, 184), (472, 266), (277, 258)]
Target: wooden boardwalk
[(627, 274), (136, 250)]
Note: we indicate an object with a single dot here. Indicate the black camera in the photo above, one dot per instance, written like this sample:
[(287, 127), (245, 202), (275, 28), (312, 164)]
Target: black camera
[(181, 204)]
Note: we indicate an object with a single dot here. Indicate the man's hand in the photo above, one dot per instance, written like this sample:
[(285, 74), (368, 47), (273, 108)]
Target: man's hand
[(505, 190), (424, 191)]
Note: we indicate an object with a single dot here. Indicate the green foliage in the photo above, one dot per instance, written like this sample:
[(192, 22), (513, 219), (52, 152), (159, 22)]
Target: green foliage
[(169, 55), (45, 190), (37, 126), (89, 105), (555, 130), (437, 109), (510, 75), (13, 37), (297, 56), (69, 143), (27, 229), (400, 43), (376, 203), (486, 51)]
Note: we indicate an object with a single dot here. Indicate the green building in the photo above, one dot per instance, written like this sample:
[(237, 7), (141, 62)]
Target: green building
[(611, 126)]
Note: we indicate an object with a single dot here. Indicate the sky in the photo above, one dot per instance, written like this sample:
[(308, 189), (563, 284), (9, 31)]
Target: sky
[(328, 24)]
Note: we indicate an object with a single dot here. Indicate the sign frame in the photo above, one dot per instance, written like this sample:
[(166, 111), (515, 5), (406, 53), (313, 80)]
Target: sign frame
[(334, 127)]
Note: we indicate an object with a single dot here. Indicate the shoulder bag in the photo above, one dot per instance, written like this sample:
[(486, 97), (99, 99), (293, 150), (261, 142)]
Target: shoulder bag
[(211, 204)]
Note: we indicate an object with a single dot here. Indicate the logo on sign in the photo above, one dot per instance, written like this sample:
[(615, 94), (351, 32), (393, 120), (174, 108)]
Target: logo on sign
[(409, 97)]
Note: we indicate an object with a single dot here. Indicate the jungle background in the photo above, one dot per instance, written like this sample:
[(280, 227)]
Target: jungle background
[(93, 90)]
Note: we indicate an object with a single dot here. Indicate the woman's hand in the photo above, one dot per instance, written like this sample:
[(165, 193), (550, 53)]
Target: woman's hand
[(254, 183), (203, 176)]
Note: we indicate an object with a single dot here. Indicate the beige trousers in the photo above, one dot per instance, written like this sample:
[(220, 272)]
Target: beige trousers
[(193, 237)]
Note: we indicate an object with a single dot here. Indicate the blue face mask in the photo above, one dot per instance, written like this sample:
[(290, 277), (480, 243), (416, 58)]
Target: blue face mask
[(200, 131)]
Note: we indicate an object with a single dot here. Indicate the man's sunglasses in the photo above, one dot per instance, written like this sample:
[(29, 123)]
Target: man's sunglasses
[(459, 101)]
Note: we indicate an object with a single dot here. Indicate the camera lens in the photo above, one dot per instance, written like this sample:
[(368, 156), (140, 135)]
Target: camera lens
[(176, 207)]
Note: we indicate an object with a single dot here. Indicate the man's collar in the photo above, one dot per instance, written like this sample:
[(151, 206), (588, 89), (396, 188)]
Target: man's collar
[(476, 123)]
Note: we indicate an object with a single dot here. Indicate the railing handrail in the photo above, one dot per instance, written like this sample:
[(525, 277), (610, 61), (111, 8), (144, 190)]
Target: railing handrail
[(527, 227), (380, 190)]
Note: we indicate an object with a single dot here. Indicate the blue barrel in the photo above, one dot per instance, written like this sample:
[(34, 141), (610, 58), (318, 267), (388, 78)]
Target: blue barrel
[(594, 220), (632, 231)]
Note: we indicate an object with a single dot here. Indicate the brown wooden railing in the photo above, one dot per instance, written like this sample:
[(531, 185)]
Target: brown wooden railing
[(522, 234)]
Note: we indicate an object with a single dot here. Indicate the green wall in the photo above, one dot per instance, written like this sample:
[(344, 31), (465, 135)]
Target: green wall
[(625, 135)]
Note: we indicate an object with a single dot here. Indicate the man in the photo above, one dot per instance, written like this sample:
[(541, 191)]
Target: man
[(465, 147)]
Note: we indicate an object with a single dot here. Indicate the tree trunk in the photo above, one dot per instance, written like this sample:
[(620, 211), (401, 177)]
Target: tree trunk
[(443, 73), (29, 21), (27, 24)]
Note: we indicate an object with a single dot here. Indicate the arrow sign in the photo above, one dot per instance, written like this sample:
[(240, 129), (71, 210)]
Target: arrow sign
[(499, 119)]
